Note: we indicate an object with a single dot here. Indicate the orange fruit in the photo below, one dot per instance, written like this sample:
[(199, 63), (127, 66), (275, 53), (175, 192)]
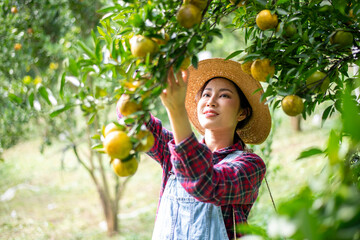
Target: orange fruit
[(111, 127), (126, 106), (265, 20), (261, 69), (17, 46), (141, 46), (162, 41), (188, 15), (292, 105), (201, 4), (117, 144), (146, 139), (342, 38), (125, 168), (185, 63), (313, 82), (246, 67), (14, 9)]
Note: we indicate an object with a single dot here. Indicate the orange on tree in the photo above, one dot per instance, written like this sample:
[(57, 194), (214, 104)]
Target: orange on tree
[(246, 67), (125, 168), (111, 127), (14, 9), (117, 144), (141, 46), (126, 106), (161, 41), (342, 39), (17, 46), (188, 15), (201, 4), (146, 140), (185, 63), (289, 30), (318, 82), (265, 20), (292, 105), (261, 69)]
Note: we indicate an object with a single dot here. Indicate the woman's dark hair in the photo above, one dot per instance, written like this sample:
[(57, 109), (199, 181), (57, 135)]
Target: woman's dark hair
[(244, 104)]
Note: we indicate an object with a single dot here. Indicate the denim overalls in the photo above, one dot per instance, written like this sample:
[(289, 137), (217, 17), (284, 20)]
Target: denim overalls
[(182, 217)]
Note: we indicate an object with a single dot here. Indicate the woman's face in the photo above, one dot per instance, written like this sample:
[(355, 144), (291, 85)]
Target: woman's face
[(219, 106)]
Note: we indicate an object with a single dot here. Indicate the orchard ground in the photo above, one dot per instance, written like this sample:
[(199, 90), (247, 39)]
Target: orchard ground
[(42, 197)]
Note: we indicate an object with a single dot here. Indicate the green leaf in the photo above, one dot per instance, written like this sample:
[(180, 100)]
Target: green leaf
[(59, 109), (62, 83), (31, 99), (102, 33), (326, 113), (15, 98), (351, 116), (309, 153), (43, 93), (97, 146), (92, 118), (86, 49), (234, 54)]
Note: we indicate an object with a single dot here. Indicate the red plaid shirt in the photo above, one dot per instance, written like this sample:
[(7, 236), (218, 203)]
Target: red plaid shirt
[(233, 185)]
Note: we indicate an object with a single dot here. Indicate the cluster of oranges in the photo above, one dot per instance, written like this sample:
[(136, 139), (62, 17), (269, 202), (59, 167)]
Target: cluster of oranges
[(263, 69), (121, 147)]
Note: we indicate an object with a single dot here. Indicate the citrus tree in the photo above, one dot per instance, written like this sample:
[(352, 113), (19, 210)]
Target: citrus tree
[(301, 51)]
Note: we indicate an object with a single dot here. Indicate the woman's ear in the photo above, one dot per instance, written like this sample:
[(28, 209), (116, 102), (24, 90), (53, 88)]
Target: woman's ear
[(243, 113)]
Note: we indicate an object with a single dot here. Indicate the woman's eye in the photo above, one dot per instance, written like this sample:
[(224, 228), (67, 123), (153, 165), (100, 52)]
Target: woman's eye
[(205, 95), (225, 96)]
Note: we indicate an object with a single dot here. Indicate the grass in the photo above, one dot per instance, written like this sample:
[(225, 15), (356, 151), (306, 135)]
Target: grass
[(60, 202)]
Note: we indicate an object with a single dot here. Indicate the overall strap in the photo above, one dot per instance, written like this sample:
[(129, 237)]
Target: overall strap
[(229, 158)]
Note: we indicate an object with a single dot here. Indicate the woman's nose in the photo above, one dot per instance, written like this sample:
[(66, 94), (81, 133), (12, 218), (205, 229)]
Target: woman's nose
[(211, 102)]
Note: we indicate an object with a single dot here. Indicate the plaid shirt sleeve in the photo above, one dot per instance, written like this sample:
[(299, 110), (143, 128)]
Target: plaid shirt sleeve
[(235, 182), (160, 150)]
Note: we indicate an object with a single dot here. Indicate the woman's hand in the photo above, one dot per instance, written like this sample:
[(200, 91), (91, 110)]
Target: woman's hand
[(173, 97)]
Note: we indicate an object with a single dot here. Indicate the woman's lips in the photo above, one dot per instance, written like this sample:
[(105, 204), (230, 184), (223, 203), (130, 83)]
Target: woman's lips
[(210, 113)]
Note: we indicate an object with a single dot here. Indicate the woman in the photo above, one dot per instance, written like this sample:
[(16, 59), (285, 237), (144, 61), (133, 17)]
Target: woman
[(208, 186)]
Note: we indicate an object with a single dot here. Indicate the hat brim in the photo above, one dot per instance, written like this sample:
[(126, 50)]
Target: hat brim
[(258, 127)]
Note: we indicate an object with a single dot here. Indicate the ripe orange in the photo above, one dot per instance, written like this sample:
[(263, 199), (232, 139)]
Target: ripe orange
[(141, 46), (146, 139), (111, 127), (162, 41), (125, 168), (117, 144), (289, 30), (14, 9), (201, 4), (261, 69), (292, 105), (342, 38), (185, 63), (126, 106), (17, 46), (246, 67), (265, 20), (189, 15), (313, 82)]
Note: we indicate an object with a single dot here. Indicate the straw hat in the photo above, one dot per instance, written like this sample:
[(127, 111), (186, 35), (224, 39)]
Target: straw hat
[(258, 127)]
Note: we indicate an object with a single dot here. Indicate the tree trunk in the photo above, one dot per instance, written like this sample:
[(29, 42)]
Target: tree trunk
[(110, 213), (296, 123)]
